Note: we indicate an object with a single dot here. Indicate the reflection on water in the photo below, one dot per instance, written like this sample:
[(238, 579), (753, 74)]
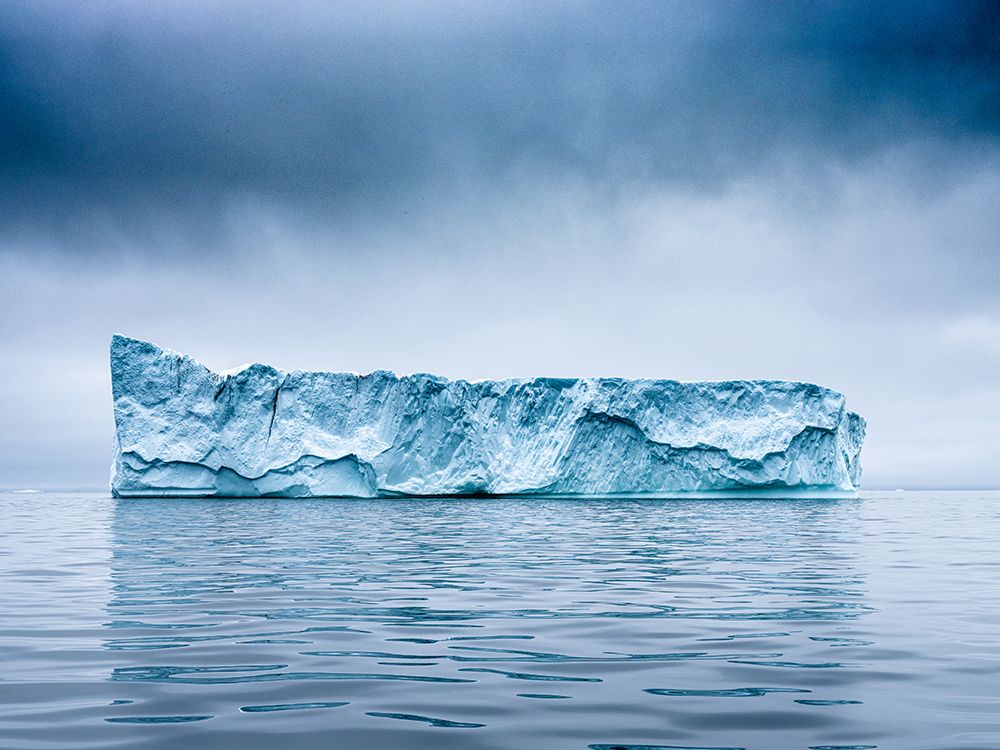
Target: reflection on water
[(502, 623)]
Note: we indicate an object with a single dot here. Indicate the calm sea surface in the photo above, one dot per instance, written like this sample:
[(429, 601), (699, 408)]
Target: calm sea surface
[(765, 624)]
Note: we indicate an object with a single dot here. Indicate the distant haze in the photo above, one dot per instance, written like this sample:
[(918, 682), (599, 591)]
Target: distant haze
[(689, 190)]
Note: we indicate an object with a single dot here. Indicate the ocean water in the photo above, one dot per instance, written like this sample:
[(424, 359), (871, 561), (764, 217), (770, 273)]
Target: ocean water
[(764, 624)]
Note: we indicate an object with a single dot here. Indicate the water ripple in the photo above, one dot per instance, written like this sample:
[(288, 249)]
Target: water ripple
[(426, 719), (531, 675), (746, 692), (291, 706), (169, 674), (155, 719)]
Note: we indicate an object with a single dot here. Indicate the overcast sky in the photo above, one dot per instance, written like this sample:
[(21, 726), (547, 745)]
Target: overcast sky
[(688, 190)]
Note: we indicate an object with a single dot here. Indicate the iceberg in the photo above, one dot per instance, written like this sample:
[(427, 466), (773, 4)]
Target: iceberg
[(182, 430)]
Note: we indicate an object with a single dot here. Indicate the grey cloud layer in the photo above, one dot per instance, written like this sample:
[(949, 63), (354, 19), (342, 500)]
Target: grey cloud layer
[(334, 108)]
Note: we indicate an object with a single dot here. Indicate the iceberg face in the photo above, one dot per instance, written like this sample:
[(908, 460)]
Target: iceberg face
[(183, 430)]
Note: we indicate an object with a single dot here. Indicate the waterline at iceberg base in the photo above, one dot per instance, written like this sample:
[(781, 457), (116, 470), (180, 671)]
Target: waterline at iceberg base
[(183, 430)]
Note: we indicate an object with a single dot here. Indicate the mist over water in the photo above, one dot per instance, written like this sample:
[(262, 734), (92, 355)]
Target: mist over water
[(763, 624)]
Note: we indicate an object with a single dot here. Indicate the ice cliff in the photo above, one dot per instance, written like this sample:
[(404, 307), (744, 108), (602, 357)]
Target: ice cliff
[(183, 430)]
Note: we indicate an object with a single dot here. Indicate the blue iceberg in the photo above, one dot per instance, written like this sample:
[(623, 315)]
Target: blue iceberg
[(183, 430)]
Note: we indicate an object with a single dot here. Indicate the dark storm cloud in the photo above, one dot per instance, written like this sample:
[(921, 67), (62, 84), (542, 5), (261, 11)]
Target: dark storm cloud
[(124, 116)]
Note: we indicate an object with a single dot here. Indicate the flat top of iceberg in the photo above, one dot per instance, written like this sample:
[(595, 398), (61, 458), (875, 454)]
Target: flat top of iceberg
[(120, 340)]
